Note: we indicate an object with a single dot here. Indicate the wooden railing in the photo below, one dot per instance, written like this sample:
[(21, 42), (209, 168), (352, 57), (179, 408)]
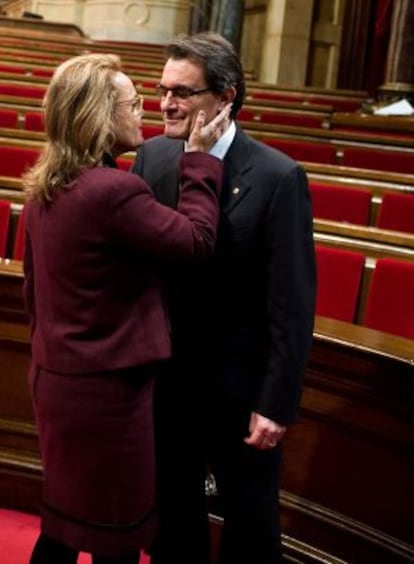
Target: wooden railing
[(14, 22)]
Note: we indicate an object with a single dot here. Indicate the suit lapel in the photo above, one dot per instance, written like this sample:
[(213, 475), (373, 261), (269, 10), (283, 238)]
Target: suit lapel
[(164, 178), (237, 163)]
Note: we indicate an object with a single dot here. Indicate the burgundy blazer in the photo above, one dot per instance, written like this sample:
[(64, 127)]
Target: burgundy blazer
[(91, 284)]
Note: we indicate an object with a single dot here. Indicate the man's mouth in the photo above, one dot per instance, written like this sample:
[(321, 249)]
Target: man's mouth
[(170, 118)]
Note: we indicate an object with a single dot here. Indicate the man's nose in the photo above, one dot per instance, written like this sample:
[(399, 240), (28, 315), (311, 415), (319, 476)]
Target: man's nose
[(168, 100)]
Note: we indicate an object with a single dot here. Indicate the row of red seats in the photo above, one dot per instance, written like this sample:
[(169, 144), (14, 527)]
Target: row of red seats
[(353, 205), (390, 304), (15, 159), (31, 70), (390, 160), (331, 102), (335, 102), (334, 203), (390, 301), (21, 69), (33, 121), (253, 94)]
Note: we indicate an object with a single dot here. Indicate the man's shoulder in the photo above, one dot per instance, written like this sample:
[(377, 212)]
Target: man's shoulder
[(161, 141), (154, 152), (263, 155)]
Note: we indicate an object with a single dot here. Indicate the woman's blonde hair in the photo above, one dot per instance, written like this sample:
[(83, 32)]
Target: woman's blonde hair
[(79, 106)]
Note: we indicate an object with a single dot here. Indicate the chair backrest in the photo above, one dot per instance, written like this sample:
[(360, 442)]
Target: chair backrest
[(390, 302), (14, 69), (298, 119), (18, 249), (396, 212), (124, 163), (339, 203), (42, 72), (5, 213), (15, 160), (26, 91), (152, 104), (149, 82), (279, 96), (34, 121), (379, 159), (304, 150), (8, 118), (246, 114), (339, 104), (152, 130), (339, 278)]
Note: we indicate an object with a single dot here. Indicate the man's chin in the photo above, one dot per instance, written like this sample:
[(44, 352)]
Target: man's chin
[(175, 131)]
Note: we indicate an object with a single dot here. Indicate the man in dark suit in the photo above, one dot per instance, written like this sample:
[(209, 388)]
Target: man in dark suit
[(241, 324)]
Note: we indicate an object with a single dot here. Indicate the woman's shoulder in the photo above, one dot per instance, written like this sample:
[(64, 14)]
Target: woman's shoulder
[(105, 177), (111, 185)]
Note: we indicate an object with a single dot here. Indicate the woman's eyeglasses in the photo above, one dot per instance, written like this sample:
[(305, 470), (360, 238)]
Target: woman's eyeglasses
[(136, 104), (179, 92)]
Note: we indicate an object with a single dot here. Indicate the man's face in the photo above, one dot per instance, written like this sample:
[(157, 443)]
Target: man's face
[(178, 113)]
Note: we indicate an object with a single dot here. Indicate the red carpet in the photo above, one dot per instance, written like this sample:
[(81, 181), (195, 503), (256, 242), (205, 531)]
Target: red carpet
[(18, 532)]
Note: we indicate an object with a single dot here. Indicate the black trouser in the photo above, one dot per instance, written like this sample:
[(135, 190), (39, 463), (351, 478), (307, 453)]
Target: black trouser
[(49, 551), (248, 484), (183, 528)]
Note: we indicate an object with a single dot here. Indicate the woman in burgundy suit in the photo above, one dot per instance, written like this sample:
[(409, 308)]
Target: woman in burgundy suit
[(95, 238)]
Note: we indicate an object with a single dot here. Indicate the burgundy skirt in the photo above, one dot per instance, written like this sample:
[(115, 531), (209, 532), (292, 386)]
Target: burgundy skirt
[(97, 448)]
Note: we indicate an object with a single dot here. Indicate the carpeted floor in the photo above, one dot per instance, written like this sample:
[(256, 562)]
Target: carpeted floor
[(18, 532)]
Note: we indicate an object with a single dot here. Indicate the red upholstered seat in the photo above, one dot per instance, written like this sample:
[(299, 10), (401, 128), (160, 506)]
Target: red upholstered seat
[(379, 159), (124, 163), (339, 203), (42, 72), (152, 104), (5, 212), (150, 83), (338, 104), (152, 130), (397, 212), (8, 118), (339, 278), (304, 150), (52, 58), (276, 95), (290, 118), (390, 303), (18, 249), (136, 68), (22, 90), (15, 160), (33, 121), (15, 69), (246, 115)]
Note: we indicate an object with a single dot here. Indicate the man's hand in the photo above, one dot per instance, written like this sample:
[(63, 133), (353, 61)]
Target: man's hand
[(264, 433)]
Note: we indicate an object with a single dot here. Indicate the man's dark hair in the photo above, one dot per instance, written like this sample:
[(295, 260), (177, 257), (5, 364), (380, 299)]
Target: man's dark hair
[(219, 59)]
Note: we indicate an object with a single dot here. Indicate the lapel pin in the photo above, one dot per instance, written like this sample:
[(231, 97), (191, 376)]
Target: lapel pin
[(236, 191)]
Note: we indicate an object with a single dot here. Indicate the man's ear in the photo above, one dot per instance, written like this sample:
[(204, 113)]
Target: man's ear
[(227, 96)]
